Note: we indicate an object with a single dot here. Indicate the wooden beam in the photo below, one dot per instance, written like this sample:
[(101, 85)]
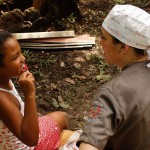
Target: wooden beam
[(37, 35), (85, 38), (57, 47), (55, 44)]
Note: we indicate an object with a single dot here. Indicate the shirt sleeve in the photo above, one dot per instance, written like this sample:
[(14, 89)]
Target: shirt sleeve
[(103, 119)]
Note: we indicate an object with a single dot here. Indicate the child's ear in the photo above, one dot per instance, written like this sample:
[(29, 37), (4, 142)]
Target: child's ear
[(124, 48)]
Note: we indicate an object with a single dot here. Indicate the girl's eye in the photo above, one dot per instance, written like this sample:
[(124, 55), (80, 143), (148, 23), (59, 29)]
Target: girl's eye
[(15, 57)]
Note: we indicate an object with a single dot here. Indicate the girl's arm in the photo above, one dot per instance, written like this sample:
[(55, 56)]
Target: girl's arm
[(25, 127), (30, 119)]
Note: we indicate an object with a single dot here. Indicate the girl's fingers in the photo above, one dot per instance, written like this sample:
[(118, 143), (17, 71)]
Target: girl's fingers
[(26, 76)]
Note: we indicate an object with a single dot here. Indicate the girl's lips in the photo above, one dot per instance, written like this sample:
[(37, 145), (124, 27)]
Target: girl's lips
[(24, 68)]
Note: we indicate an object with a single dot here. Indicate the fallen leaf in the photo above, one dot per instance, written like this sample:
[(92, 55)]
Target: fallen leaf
[(103, 77), (82, 77), (36, 66), (55, 104), (98, 77), (79, 59), (77, 65), (64, 105), (79, 77), (53, 86), (88, 56), (69, 80), (62, 64), (60, 99)]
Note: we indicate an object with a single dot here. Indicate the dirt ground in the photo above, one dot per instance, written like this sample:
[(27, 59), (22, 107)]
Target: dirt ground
[(67, 80)]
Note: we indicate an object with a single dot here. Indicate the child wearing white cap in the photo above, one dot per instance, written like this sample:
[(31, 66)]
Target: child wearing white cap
[(120, 116)]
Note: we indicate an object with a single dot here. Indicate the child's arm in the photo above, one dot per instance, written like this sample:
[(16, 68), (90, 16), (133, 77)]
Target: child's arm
[(30, 120), (24, 127)]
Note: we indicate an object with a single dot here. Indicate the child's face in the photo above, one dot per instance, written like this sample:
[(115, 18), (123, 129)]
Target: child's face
[(13, 59), (111, 50)]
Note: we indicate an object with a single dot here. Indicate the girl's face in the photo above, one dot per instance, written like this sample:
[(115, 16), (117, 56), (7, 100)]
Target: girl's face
[(111, 50), (13, 59)]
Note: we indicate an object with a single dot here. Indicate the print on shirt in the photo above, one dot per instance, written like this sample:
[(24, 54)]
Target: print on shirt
[(93, 112)]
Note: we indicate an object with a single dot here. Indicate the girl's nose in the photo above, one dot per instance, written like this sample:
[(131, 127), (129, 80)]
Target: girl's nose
[(22, 57)]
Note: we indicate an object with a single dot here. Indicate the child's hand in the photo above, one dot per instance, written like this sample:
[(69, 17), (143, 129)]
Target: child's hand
[(26, 82)]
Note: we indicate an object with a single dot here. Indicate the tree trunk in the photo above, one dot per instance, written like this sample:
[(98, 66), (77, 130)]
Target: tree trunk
[(22, 4), (38, 3), (57, 8)]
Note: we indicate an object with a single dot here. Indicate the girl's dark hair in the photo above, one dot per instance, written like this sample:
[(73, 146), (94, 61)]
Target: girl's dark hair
[(137, 50), (4, 35)]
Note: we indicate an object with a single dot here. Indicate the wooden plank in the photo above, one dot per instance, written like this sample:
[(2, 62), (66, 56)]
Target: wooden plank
[(37, 35), (57, 47), (76, 39), (55, 44)]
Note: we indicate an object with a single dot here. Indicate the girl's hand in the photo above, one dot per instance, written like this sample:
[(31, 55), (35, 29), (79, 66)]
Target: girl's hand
[(26, 82)]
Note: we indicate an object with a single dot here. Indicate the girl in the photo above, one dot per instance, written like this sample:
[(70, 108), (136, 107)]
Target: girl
[(20, 127)]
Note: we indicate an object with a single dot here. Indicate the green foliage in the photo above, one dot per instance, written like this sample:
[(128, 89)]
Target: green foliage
[(6, 3), (57, 104), (103, 66), (39, 61), (1, 2), (69, 23), (119, 1), (138, 2)]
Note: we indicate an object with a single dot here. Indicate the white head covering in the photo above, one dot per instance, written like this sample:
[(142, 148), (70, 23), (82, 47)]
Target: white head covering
[(130, 25)]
